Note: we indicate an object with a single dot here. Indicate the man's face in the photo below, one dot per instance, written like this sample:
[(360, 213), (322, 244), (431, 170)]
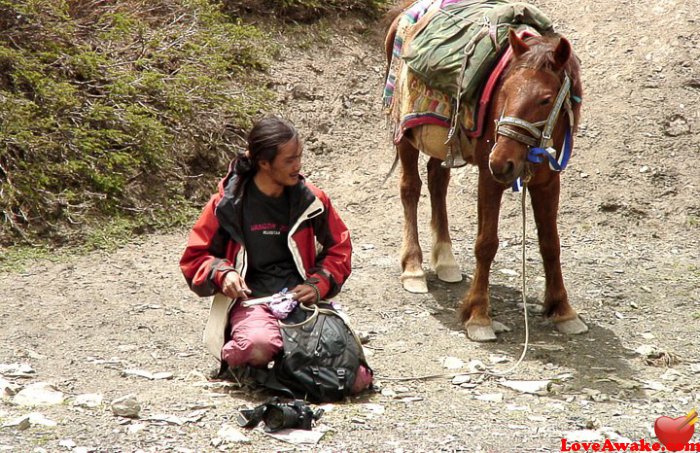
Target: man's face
[(285, 167)]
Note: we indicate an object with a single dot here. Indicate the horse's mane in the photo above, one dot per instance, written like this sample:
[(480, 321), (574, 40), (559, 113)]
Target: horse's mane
[(541, 56)]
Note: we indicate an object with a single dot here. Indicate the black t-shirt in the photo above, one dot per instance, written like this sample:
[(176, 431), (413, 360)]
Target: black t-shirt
[(265, 230)]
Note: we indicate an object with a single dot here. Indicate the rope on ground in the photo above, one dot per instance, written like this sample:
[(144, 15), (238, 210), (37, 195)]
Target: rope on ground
[(497, 373)]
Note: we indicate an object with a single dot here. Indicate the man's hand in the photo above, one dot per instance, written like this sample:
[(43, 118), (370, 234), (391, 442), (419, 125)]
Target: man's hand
[(234, 286), (306, 294)]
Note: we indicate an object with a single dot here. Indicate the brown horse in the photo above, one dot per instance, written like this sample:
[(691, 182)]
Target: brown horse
[(525, 96)]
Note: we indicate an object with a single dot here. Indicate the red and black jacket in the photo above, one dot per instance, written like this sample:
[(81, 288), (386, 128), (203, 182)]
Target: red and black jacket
[(318, 240)]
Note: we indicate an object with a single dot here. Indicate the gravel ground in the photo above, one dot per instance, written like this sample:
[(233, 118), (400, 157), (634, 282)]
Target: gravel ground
[(629, 223)]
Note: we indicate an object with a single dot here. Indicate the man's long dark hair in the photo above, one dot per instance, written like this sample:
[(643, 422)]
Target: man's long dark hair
[(264, 141)]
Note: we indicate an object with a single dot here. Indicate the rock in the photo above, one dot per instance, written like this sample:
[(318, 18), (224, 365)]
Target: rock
[(676, 125), (693, 83), (88, 400), (8, 389), (670, 375), (595, 395), (476, 365), (647, 350), (536, 309), (228, 433), (509, 272), (589, 435), (452, 363), (148, 374), (16, 370), (497, 358), (38, 394), (515, 407), (364, 337), (126, 406), (532, 387), (135, 428), (389, 393), (175, 420), (374, 408), (298, 436), (32, 419), (654, 385), (167, 419), (67, 443), (490, 397), (461, 379), (20, 423), (302, 93)]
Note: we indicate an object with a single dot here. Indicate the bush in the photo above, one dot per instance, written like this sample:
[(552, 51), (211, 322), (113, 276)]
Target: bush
[(304, 10), (112, 109)]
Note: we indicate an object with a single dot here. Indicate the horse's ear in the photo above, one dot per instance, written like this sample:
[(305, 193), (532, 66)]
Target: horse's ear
[(518, 45), (562, 53)]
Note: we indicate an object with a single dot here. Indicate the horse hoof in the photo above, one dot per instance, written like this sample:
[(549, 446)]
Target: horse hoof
[(479, 333), (416, 285), (449, 274), (499, 327), (572, 326)]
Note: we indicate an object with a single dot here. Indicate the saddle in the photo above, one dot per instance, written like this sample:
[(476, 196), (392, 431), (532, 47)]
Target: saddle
[(457, 49)]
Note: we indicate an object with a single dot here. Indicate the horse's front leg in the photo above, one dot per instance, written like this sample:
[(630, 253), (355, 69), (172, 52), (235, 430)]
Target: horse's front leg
[(474, 311), (545, 205), (412, 276), (442, 258)]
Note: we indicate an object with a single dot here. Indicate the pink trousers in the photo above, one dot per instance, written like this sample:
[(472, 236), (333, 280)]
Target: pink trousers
[(256, 339)]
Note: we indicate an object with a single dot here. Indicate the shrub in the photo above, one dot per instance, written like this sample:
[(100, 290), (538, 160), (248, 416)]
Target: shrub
[(110, 108)]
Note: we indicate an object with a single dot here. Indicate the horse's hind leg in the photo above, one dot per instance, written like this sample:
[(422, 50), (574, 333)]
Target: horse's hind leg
[(442, 258), (545, 204), (412, 277)]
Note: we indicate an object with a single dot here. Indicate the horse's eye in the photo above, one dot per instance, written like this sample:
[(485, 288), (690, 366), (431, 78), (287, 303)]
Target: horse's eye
[(545, 101)]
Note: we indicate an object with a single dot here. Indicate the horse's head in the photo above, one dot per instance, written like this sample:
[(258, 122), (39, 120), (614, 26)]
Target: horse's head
[(531, 89)]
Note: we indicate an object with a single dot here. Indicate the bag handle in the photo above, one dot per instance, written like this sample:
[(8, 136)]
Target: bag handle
[(311, 318)]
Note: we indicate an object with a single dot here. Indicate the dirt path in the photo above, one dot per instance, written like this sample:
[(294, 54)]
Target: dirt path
[(630, 224)]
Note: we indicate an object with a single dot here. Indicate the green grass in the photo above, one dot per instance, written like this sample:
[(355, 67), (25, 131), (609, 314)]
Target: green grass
[(103, 121)]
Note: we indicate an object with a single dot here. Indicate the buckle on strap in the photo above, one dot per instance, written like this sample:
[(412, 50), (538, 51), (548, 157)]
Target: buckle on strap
[(562, 96)]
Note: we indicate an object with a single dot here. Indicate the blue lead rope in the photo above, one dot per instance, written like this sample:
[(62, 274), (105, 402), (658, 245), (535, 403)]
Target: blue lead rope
[(537, 155)]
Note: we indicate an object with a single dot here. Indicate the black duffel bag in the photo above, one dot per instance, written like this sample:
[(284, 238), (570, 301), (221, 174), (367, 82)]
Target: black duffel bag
[(320, 358)]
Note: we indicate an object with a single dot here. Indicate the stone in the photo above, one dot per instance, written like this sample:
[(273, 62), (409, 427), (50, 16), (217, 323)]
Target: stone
[(126, 406), (88, 400), (452, 363), (38, 394), (228, 433)]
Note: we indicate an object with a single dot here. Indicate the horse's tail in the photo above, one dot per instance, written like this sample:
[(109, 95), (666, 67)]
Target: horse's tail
[(393, 13), (391, 22)]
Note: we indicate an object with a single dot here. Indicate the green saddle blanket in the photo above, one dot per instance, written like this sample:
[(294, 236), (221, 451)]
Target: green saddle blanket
[(470, 34)]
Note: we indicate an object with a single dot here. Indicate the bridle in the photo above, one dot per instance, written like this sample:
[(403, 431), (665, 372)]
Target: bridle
[(539, 134)]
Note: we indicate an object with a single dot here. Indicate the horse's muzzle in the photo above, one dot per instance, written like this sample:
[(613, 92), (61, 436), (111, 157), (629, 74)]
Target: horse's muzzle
[(506, 171)]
